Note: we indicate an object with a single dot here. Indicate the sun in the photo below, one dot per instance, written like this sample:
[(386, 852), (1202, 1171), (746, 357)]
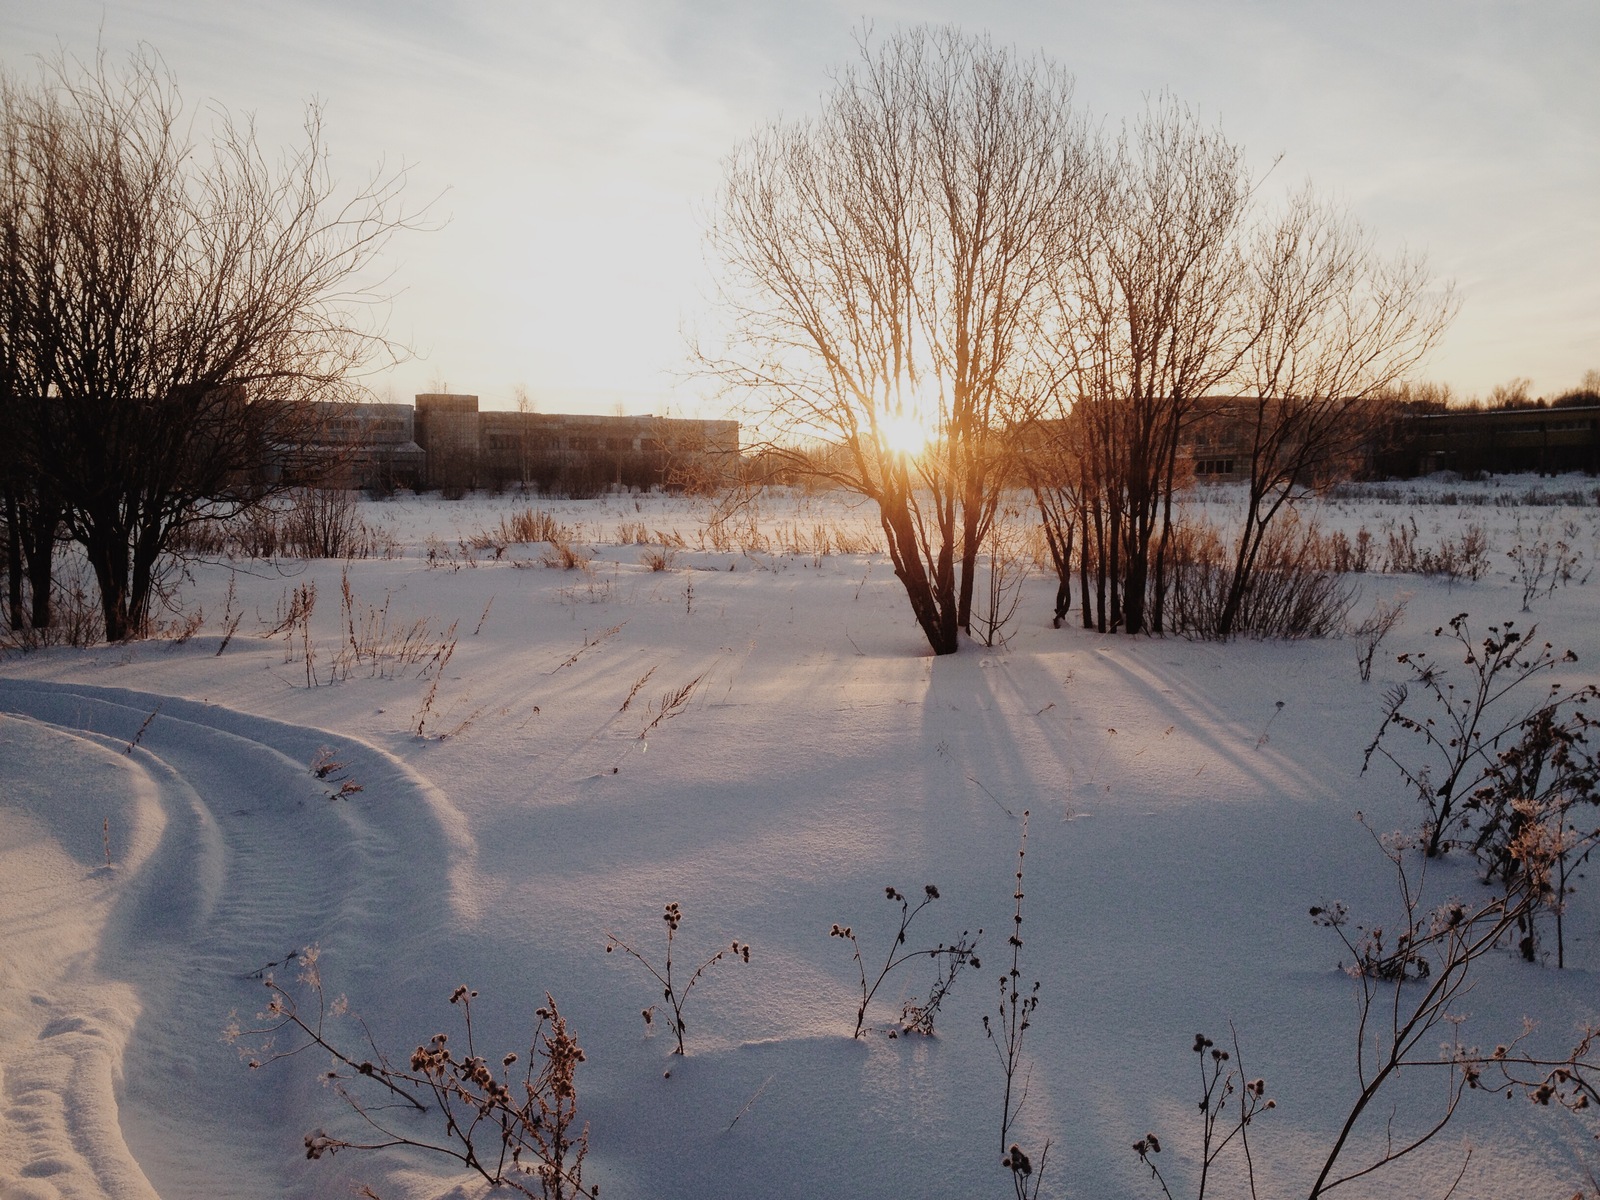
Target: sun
[(903, 434)]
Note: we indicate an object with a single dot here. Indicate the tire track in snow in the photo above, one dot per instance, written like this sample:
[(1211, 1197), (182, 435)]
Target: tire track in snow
[(63, 1031), (253, 862)]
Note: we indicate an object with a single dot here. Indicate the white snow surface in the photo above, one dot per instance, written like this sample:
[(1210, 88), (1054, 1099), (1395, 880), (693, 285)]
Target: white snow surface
[(1182, 825)]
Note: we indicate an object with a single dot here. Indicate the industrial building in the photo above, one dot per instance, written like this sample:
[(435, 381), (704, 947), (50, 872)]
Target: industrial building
[(445, 442)]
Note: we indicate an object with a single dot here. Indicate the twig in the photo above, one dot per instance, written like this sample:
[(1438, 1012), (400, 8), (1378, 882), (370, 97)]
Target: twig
[(751, 1102), (992, 796), (139, 736)]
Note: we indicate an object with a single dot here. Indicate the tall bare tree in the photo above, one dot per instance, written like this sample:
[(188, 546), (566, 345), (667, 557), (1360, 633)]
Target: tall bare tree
[(33, 180), (1335, 328), (201, 293), (1151, 319), (886, 264)]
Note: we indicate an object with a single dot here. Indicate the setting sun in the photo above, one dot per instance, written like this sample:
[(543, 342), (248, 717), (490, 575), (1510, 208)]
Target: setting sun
[(903, 434)]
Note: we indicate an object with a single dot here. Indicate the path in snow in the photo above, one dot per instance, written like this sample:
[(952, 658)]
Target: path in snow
[(228, 854)]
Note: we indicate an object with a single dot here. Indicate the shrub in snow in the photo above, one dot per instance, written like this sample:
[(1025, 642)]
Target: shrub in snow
[(915, 1016), (674, 995), (517, 1128)]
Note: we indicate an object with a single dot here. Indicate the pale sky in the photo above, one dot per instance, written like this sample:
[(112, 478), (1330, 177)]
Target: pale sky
[(576, 144)]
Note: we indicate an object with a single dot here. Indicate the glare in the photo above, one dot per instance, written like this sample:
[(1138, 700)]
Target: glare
[(903, 434)]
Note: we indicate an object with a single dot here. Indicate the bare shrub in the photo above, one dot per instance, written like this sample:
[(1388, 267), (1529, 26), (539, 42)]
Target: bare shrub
[(1459, 734), (658, 559), (323, 523), (1005, 554), (949, 960), (75, 617), (208, 538), (515, 1128), (674, 995), (1370, 632), (1544, 564), (1350, 556), (1293, 592), (1464, 557), (256, 533)]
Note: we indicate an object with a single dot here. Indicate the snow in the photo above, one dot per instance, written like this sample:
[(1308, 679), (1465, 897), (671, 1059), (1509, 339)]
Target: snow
[(1181, 826)]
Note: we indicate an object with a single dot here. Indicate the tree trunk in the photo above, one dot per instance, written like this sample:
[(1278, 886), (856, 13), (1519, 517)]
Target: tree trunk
[(969, 566), (932, 600), (13, 564), (1158, 623), (38, 537), (146, 551), (108, 558)]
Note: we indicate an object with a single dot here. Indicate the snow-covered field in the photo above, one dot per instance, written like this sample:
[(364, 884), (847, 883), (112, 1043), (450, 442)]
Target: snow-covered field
[(163, 837)]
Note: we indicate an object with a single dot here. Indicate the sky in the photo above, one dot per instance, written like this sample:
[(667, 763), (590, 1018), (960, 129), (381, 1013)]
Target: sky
[(569, 153)]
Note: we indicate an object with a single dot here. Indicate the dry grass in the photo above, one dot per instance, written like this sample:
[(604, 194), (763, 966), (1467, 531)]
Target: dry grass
[(532, 525), (565, 556)]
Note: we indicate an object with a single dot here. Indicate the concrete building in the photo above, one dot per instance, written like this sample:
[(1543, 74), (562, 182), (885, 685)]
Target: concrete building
[(445, 442), (1216, 445), (1550, 441), (447, 431), (574, 454), (357, 445)]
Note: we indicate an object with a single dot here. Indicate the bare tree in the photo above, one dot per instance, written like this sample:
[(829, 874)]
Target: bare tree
[(201, 293), (1052, 459), (1151, 319), (886, 264), (1335, 329), (32, 179)]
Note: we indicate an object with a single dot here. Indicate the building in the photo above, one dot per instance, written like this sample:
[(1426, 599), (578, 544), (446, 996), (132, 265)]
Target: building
[(447, 431), (356, 445), (1216, 446), (445, 442), (1550, 441)]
